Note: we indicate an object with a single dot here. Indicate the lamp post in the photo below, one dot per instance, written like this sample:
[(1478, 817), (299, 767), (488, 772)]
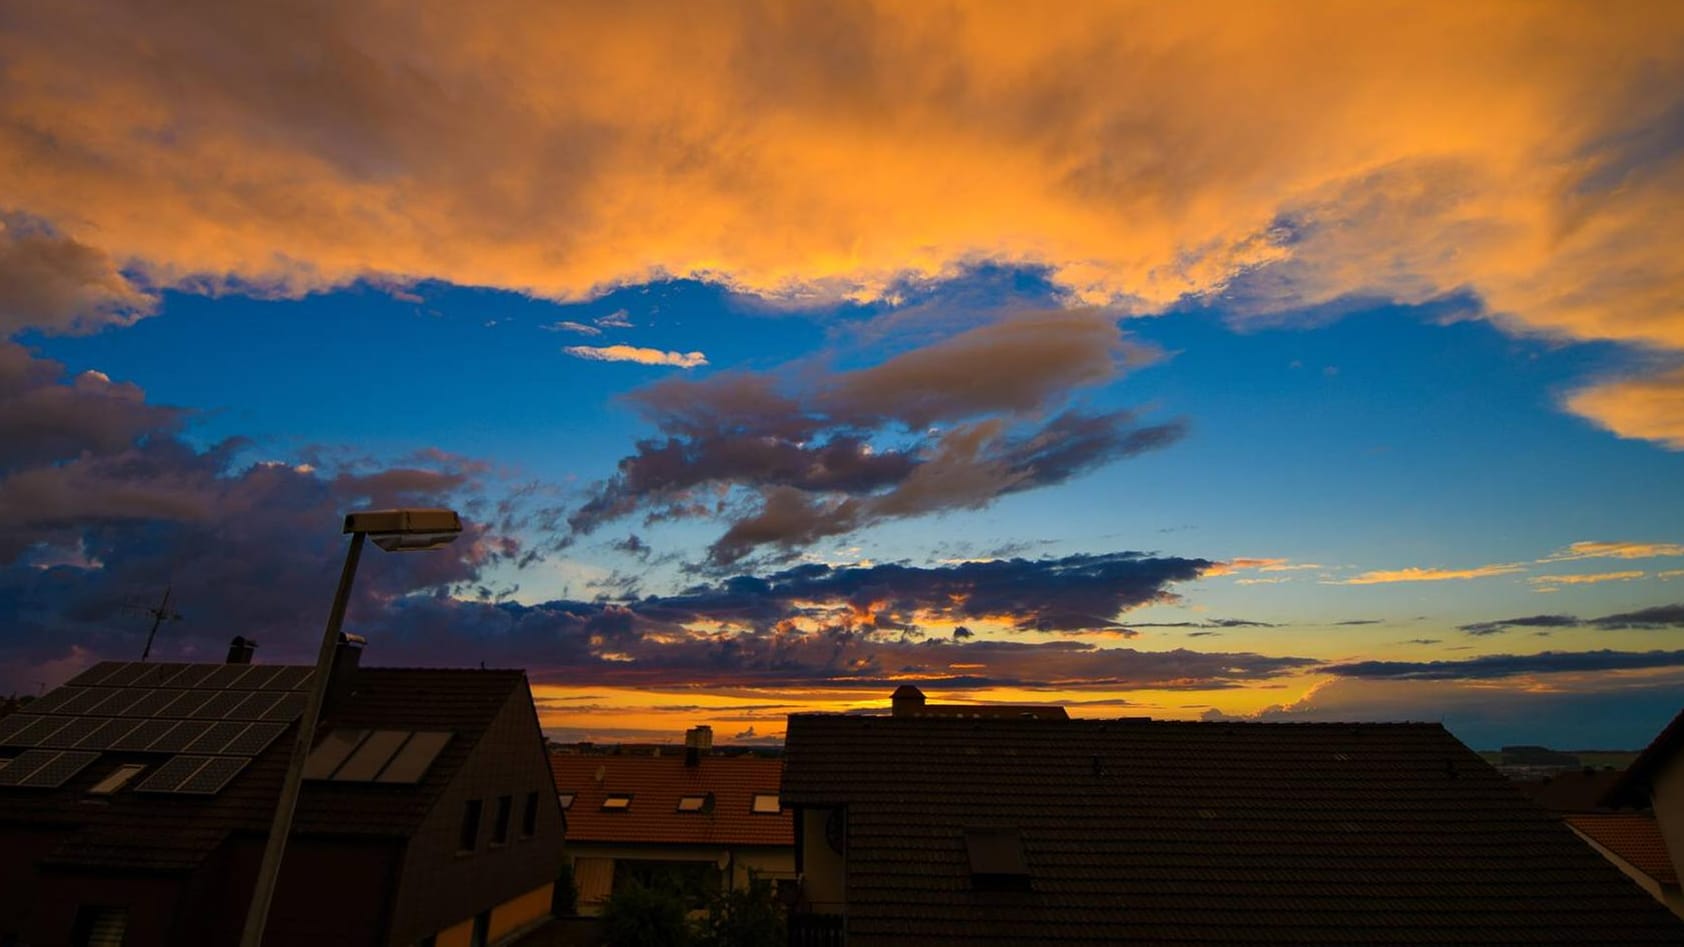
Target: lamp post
[(405, 530)]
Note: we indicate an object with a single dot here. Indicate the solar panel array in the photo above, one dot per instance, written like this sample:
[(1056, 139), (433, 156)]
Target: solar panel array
[(218, 716), (379, 756)]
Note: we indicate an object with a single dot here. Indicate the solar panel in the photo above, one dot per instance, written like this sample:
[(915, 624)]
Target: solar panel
[(125, 675), (218, 706), (59, 770), (190, 675), (184, 705), (291, 678), (72, 732), (154, 701), (331, 752), (289, 707), (151, 675), (224, 676), (86, 698), (259, 677), (98, 673), (178, 738), (10, 725), (173, 773), (40, 729), (25, 765), (372, 756), (216, 737), (417, 755), (143, 736), (122, 705), (109, 732), (214, 775), (253, 705), (254, 739), (48, 703)]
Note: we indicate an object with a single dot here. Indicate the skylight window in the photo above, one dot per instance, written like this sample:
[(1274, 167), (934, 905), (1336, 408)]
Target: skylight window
[(766, 803), (566, 800), (617, 802), (119, 777), (695, 803)]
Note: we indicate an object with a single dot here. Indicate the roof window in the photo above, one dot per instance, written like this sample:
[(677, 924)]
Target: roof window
[(566, 800), (118, 778), (617, 802), (766, 803), (696, 802), (996, 859)]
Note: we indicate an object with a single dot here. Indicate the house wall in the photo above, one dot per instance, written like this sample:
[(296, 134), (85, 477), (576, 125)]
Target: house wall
[(824, 871), (442, 888), (153, 904), (21, 848), (1667, 799), (736, 861), (1667, 895)]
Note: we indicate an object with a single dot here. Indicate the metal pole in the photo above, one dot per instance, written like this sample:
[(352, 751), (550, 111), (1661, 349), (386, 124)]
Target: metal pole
[(257, 916)]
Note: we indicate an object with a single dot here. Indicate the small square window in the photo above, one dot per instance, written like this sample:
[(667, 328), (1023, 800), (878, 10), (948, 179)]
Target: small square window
[(566, 800), (695, 803), (766, 803), (119, 777), (617, 802)]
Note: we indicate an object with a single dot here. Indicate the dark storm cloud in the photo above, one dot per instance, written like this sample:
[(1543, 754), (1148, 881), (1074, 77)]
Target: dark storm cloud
[(792, 457), (103, 506), (1656, 617), (1660, 616), (1509, 665), (55, 284), (1530, 621)]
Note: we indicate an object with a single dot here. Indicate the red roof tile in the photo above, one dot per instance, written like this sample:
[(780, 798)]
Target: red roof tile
[(1632, 836), (656, 783)]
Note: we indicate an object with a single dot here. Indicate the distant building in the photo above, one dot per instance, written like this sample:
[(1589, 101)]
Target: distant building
[(135, 802), (936, 830), (1654, 782), (695, 820)]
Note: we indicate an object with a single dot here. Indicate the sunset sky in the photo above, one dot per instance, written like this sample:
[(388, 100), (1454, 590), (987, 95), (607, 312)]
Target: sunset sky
[(1288, 361)]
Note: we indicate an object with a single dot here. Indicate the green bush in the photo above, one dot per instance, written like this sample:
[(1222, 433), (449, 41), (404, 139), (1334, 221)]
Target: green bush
[(635, 916), (747, 917)]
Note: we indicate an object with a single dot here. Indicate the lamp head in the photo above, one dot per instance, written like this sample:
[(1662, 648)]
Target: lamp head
[(406, 530)]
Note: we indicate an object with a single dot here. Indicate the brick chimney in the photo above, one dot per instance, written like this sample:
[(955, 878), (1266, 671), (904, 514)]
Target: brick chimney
[(907, 701), (240, 650), (697, 742), (342, 678)]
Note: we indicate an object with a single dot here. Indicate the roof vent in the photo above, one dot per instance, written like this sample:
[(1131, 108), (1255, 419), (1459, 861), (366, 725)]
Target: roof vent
[(240, 650)]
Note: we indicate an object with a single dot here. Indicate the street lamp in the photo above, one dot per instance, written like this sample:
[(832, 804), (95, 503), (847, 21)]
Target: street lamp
[(409, 530)]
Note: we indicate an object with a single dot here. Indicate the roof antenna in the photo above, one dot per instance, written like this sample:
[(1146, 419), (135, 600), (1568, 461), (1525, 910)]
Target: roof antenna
[(160, 614)]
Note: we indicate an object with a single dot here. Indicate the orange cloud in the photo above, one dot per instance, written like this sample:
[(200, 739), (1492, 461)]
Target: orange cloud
[(642, 356), (1429, 575), (1590, 578), (1615, 550), (1144, 154), (1650, 408)]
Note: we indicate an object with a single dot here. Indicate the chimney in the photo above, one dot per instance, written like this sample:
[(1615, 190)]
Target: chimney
[(697, 741), (907, 701), (342, 678), (240, 650)]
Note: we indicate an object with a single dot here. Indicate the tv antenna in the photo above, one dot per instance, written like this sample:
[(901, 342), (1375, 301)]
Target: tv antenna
[(160, 614)]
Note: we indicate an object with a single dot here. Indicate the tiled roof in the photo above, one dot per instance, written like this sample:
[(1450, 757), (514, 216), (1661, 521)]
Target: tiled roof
[(1570, 791), (1634, 837), (1159, 832), (132, 830), (656, 783), (1633, 788)]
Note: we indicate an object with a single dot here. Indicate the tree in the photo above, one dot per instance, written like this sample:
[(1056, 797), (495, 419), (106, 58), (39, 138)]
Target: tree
[(745, 917), (636, 916)]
